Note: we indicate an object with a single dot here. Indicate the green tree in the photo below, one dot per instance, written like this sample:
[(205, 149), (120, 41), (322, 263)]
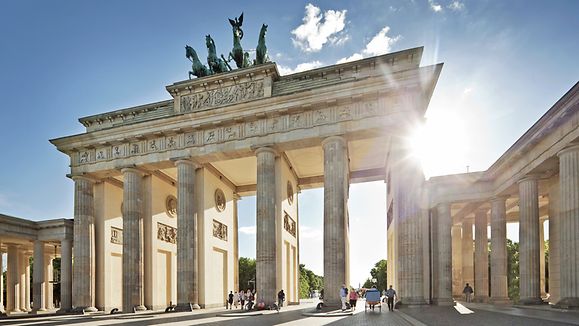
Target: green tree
[(309, 282), (378, 272), (246, 273), (513, 269)]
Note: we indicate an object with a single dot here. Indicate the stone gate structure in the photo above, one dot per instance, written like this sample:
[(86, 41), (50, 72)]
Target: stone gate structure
[(157, 185)]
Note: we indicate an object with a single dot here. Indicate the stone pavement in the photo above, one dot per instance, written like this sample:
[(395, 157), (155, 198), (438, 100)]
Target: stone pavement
[(294, 316)]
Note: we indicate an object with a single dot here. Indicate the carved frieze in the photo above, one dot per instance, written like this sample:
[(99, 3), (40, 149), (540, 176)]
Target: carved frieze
[(222, 96), (289, 224), (219, 230), (234, 131), (116, 235), (166, 233)]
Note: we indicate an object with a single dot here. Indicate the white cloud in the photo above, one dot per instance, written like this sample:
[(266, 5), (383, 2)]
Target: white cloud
[(353, 57), (467, 90), (381, 43), (435, 6), (318, 28), (455, 6), (249, 230), (284, 70)]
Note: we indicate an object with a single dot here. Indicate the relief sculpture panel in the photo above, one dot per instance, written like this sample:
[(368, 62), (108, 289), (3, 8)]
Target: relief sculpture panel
[(222, 96), (166, 233)]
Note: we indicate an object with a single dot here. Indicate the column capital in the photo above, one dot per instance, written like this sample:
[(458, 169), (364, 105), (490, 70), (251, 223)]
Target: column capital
[(337, 138), (569, 148), (499, 198), (262, 149), (84, 177), (132, 169), (529, 177), (186, 161)]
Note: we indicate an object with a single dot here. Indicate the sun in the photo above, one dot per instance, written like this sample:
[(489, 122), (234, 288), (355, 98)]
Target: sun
[(440, 144)]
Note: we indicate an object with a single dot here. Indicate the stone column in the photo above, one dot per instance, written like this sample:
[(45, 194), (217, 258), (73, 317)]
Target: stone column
[(457, 284), (1, 282), (467, 255), (38, 280), (13, 279), (407, 183), (27, 277), (24, 263), (444, 265), (48, 278), (65, 275), (266, 269), (133, 299), (481, 264), (542, 259), (187, 252), (554, 243), (235, 243), (499, 286), (336, 183), (83, 268), (529, 284), (569, 226)]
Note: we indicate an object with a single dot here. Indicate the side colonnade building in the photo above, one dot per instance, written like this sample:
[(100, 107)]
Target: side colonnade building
[(535, 180)]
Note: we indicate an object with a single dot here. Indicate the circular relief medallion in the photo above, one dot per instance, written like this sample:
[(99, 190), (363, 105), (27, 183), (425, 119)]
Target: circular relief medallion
[(171, 206), (219, 200), (290, 193)]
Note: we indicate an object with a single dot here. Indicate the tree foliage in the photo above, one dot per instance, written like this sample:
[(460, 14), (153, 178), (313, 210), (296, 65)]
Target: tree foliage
[(513, 269), (246, 273), (309, 282), (378, 272)]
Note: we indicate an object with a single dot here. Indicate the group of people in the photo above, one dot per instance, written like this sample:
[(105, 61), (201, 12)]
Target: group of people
[(240, 298), (352, 296)]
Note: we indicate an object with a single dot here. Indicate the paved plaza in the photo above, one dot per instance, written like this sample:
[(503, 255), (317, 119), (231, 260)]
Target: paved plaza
[(472, 314)]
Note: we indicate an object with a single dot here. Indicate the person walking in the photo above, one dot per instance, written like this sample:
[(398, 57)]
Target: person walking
[(390, 294), (353, 299), (230, 300), (236, 299), (280, 298), (242, 299), (343, 296), (467, 292)]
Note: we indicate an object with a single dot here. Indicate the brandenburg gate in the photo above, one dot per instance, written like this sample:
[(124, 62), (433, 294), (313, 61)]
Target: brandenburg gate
[(157, 185)]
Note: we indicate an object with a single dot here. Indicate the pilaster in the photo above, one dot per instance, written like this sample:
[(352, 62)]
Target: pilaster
[(499, 286), (554, 243)]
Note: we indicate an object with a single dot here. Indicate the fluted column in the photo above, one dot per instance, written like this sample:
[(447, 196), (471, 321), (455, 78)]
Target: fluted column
[(336, 183), (554, 243), (83, 268), (65, 275), (1, 282), (187, 255), (569, 226), (444, 265), (13, 279), (38, 280), (499, 286), (481, 264), (48, 277), (24, 264), (457, 284), (27, 284), (133, 296), (266, 269), (467, 254), (529, 283)]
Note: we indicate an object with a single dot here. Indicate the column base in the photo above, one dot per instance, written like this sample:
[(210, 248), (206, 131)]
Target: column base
[(139, 308), (181, 307), (82, 310), (503, 301), (443, 302), (63, 311), (196, 306), (567, 303), (480, 299), (530, 301)]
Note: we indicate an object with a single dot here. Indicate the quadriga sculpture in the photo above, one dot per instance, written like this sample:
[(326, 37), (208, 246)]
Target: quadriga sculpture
[(197, 69)]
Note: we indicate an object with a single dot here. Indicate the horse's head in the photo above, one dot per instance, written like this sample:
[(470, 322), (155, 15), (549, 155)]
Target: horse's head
[(263, 30)]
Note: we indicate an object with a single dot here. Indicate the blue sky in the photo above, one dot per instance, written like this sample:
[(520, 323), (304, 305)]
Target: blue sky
[(505, 64)]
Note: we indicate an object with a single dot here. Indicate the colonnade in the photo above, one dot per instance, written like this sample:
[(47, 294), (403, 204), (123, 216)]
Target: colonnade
[(563, 235), (19, 279)]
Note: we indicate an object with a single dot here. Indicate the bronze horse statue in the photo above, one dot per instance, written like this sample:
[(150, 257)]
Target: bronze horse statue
[(261, 50), (197, 69), (216, 65), (237, 52)]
